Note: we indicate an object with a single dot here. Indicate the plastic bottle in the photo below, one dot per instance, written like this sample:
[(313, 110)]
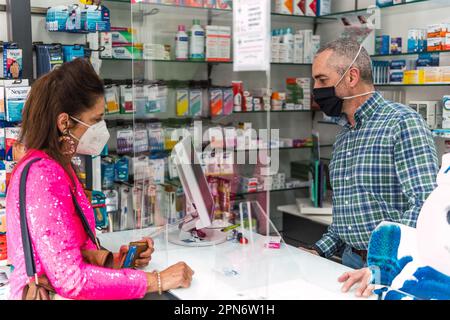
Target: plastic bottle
[(197, 45), (181, 44)]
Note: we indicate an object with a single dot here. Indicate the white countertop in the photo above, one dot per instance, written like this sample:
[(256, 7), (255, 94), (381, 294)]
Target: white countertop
[(293, 210), (286, 273)]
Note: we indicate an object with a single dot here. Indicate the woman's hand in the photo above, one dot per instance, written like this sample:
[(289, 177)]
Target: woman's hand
[(177, 276), (144, 259), (362, 276)]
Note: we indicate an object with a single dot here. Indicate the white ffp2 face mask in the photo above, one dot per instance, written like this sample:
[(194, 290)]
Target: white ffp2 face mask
[(94, 139)]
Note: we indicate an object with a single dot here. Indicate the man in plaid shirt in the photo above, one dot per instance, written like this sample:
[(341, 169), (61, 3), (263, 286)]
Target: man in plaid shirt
[(384, 161)]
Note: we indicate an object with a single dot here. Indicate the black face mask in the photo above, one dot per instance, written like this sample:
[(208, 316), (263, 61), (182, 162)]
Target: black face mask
[(328, 102)]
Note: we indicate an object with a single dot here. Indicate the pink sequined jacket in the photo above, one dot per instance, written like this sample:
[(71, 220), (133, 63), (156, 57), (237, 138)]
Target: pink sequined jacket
[(58, 237)]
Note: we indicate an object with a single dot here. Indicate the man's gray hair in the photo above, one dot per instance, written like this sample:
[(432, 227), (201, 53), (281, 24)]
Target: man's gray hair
[(344, 51)]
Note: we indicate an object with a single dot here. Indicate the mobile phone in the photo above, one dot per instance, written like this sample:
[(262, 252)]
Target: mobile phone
[(134, 251)]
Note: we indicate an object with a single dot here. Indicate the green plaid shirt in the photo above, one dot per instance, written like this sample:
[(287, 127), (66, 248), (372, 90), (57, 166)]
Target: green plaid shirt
[(383, 169)]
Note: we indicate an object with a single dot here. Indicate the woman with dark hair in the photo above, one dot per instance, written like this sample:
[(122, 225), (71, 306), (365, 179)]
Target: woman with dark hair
[(63, 115)]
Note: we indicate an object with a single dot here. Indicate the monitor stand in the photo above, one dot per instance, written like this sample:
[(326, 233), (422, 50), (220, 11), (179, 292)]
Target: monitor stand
[(190, 239)]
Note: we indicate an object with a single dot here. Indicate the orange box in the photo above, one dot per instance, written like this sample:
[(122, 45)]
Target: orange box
[(435, 44)]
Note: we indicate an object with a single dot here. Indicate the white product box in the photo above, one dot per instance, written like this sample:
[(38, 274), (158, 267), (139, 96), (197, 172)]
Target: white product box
[(315, 45), (437, 30), (307, 49), (218, 43), (299, 8), (299, 46), (106, 41), (323, 7), (446, 112), (284, 6), (428, 110), (311, 8)]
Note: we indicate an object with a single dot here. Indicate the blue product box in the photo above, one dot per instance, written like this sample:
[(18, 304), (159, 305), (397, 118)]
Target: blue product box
[(56, 18), (72, 52), (384, 3), (121, 170), (96, 20), (382, 44), (396, 77), (396, 45), (108, 174), (397, 65), (428, 60)]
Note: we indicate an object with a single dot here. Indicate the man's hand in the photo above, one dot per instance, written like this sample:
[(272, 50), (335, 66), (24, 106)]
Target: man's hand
[(362, 276), (309, 250)]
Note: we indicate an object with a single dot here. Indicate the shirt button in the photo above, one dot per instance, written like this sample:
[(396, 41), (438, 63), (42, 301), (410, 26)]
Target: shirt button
[(346, 202), (347, 178), (349, 227), (349, 153)]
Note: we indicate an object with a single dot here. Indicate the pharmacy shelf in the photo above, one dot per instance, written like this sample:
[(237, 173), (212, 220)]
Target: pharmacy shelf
[(271, 111), (275, 190), (414, 85), (202, 62), (390, 9), (441, 133), (407, 54)]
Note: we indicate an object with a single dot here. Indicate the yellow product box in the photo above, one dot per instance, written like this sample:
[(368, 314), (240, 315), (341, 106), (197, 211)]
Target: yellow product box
[(413, 77), (445, 74), (432, 74)]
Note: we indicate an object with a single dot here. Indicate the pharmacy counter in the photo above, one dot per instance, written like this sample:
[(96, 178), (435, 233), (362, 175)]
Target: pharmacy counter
[(285, 273)]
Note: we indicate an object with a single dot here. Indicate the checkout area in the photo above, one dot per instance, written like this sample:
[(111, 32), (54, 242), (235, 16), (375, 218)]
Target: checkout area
[(258, 266)]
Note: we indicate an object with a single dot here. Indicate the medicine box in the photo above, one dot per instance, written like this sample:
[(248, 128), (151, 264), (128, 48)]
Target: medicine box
[(284, 6), (446, 112), (382, 44), (413, 77), (435, 44), (437, 30), (429, 111)]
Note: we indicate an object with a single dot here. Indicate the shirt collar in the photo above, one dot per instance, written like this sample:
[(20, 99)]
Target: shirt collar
[(366, 110)]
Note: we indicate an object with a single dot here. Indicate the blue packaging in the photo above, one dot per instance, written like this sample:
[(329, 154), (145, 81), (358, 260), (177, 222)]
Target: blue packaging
[(397, 65), (99, 206), (396, 77), (108, 174), (427, 60), (396, 45), (15, 98), (73, 22), (48, 56), (121, 170), (96, 18), (72, 52), (384, 3), (382, 44), (2, 143), (56, 18)]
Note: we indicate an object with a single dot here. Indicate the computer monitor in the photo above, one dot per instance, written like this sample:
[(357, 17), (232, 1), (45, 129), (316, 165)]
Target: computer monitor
[(194, 229)]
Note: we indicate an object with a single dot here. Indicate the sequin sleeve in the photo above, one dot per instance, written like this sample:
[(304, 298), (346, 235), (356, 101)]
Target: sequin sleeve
[(57, 237)]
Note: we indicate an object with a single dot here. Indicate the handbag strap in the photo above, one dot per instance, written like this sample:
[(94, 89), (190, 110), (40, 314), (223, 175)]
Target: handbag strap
[(26, 240)]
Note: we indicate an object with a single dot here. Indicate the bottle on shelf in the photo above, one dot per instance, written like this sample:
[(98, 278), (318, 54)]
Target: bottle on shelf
[(181, 44), (197, 41)]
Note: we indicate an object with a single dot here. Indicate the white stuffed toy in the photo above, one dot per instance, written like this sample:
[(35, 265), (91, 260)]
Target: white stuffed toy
[(415, 263)]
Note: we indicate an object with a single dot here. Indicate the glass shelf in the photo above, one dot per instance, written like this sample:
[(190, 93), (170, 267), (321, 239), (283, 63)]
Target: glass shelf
[(202, 61), (414, 85), (390, 9), (407, 54), (264, 191), (441, 133), (271, 111)]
